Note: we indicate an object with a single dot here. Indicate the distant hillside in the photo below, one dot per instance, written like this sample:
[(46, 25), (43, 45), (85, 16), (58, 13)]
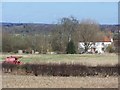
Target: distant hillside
[(112, 28), (32, 28), (26, 28)]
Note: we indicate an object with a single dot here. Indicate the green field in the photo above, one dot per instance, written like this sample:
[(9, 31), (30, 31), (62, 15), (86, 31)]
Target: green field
[(87, 59)]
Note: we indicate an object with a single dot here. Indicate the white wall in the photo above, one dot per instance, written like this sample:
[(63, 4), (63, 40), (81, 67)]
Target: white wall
[(97, 45)]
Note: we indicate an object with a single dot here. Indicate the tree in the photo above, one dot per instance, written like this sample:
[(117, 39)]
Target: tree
[(63, 33), (88, 31), (6, 42), (58, 41), (1, 39), (68, 26), (116, 40), (70, 48)]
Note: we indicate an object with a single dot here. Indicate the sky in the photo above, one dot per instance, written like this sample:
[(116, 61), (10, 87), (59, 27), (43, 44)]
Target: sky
[(60, 0), (52, 12)]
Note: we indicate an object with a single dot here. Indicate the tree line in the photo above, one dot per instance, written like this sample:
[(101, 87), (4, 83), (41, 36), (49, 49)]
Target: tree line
[(63, 38)]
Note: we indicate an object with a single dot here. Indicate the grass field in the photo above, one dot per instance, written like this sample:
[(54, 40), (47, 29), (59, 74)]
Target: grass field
[(29, 81), (87, 59)]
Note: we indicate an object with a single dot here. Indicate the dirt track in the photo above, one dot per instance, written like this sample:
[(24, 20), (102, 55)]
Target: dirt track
[(18, 81)]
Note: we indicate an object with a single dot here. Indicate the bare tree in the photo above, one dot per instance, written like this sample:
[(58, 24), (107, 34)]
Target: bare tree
[(6, 42), (69, 25), (116, 40), (58, 42), (63, 33), (88, 32)]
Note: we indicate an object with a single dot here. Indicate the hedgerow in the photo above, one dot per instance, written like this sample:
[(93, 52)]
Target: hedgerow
[(64, 69)]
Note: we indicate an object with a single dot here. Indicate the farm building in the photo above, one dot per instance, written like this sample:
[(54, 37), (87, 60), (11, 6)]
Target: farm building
[(96, 47)]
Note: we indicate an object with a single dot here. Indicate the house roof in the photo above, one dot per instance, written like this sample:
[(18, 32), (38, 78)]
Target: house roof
[(106, 39), (103, 39)]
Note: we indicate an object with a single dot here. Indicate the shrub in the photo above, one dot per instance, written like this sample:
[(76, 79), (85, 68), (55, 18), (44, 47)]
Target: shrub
[(7, 67), (110, 49), (64, 69), (70, 48)]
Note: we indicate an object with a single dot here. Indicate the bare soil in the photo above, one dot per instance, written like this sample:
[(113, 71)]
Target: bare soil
[(24, 81)]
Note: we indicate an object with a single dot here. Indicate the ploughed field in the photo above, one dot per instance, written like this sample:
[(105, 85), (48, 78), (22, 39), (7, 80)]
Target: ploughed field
[(46, 80), (24, 81)]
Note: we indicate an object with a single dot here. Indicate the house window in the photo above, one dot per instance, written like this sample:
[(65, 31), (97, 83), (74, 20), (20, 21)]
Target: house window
[(103, 49), (102, 43)]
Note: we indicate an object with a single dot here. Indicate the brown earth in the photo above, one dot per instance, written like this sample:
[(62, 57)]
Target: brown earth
[(24, 81)]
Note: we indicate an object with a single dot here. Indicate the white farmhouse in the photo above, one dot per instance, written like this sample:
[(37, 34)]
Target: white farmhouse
[(96, 47)]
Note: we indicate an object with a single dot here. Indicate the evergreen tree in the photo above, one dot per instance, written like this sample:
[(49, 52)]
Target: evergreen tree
[(70, 48)]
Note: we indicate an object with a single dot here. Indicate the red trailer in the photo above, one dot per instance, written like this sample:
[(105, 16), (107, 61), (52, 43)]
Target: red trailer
[(13, 60)]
